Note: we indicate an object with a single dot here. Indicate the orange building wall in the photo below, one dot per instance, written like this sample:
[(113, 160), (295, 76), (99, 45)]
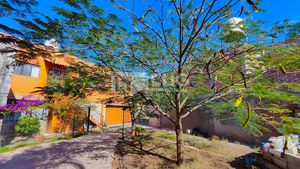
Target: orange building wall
[(56, 126), (114, 115), (24, 85)]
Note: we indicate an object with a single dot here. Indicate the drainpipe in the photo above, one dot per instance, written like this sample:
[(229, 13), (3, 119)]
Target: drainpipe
[(123, 125)]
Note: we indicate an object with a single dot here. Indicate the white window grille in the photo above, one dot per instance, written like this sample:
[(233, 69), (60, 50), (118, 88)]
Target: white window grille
[(27, 70)]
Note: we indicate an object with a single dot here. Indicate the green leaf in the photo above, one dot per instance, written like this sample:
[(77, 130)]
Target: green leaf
[(248, 115), (238, 102), (282, 69)]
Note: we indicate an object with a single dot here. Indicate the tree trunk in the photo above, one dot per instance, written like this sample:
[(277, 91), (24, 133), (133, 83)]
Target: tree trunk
[(179, 142), (6, 70), (132, 128), (74, 125), (133, 120)]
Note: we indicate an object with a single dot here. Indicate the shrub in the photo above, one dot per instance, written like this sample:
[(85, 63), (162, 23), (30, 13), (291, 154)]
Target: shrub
[(27, 126)]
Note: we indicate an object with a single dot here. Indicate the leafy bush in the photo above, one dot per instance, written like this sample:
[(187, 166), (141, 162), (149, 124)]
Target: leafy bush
[(27, 126)]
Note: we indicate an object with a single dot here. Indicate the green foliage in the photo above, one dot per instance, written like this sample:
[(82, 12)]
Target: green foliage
[(78, 81), (28, 126), (267, 90), (243, 115), (138, 107), (139, 129), (104, 123), (194, 59), (289, 125), (290, 28), (286, 55), (16, 9), (294, 31)]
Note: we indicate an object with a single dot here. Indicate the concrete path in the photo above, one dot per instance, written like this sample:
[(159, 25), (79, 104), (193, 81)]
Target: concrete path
[(87, 152)]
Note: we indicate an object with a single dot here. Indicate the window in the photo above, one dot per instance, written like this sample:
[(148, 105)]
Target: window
[(27, 70), (117, 84), (55, 73), (42, 113), (113, 83), (120, 87)]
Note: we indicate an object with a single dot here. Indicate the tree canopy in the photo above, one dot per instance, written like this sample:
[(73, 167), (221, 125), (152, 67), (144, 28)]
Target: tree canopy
[(196, 53)]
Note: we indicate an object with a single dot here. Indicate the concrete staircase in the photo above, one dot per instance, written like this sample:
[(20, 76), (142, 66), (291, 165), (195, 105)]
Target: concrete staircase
[(95, 116)]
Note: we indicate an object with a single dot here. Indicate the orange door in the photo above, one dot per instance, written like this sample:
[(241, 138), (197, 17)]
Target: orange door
[(114, 115)]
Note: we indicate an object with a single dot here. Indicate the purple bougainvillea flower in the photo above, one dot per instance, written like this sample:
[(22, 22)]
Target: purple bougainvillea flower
[(23, 105)]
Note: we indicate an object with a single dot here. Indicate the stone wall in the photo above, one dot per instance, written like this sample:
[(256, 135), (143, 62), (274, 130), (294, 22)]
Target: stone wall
[(6, 69), (7, 132)]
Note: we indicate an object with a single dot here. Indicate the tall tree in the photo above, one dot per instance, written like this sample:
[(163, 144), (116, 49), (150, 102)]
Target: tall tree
[(16, 9), (195, 52), (13, 9)]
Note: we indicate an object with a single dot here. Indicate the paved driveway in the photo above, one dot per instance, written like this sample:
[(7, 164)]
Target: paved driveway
[(87, 152)]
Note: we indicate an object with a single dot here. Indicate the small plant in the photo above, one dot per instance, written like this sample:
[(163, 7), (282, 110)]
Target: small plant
[(139, 129), (104, 124), (27, 126)]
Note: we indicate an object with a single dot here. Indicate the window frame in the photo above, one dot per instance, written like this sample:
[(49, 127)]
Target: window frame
[(51, 73), (20, 70)]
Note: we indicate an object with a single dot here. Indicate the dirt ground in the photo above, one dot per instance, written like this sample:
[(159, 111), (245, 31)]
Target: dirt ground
[(156, 150)]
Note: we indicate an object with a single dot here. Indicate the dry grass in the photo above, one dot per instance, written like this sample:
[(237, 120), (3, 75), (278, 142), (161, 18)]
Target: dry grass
[(156, 150), (215, 145)]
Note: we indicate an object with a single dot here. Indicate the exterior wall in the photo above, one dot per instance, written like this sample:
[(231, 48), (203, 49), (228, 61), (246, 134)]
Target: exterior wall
[(231, 131), (156, 122), (114, 115), (54, 125), (204, 121), (22, 86)]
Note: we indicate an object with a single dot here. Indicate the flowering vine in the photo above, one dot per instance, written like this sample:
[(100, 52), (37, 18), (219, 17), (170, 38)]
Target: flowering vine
[(23, 105)]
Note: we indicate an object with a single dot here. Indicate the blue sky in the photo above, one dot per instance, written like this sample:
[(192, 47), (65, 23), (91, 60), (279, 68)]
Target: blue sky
[(276, 10)]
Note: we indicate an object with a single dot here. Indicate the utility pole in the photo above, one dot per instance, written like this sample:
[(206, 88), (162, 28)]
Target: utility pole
[(73, 128), (123, 124), (88, 119)]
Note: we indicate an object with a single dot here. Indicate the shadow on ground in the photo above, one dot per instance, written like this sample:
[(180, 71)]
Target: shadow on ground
[(251, 160), (80, 153), (128, 148), (153, 153)]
